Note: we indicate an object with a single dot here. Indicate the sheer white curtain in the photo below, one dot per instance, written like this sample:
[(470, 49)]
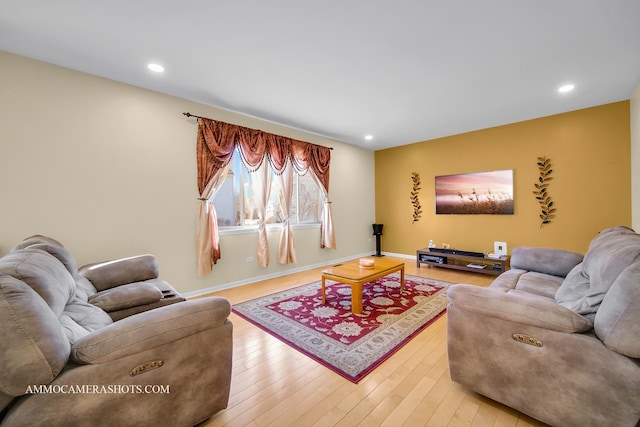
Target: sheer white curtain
[(286, 250), (327, 236), (207, 238), (261, 184)]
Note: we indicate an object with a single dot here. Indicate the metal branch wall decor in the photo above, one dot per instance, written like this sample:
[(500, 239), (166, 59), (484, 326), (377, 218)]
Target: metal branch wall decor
[(417, 209), (541, 192)]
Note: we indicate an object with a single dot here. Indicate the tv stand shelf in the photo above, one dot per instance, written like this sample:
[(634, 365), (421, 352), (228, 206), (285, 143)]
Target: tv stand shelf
[(463, 261)]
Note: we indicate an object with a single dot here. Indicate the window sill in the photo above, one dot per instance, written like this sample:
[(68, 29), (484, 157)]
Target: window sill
[(229, 231)]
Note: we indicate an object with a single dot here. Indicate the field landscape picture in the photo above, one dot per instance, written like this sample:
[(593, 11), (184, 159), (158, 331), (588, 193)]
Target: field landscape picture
[(475, 193)]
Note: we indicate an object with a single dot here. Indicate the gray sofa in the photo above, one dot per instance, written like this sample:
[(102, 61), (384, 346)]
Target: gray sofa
[(557, 337), (66, 362)]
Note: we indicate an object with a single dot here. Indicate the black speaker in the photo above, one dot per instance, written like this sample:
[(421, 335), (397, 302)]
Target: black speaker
[(377, 231)]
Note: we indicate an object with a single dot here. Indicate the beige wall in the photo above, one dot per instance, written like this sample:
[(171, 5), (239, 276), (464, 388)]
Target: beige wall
[(635, 157), (589, 150), (109, 170)]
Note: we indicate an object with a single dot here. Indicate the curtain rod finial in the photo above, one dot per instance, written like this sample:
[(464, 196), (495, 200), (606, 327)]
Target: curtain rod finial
[(191, 115)]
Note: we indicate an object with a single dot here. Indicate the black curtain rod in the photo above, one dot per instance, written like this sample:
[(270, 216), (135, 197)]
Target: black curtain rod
[(200, 117), (193, 115)]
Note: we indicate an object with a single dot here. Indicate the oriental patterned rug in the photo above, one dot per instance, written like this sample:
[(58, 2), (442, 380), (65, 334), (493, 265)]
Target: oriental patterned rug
[(350, 344)]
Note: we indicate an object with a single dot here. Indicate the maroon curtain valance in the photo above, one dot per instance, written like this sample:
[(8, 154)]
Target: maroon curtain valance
[(217, 140)]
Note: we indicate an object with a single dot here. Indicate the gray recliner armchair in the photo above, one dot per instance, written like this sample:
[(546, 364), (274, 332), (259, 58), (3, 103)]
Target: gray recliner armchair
[(66, 362)]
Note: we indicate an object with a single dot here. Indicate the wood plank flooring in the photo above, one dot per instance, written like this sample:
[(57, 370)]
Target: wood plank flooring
[(275, 385)]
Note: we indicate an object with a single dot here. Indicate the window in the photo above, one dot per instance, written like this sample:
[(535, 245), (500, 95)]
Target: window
[(235, 206)]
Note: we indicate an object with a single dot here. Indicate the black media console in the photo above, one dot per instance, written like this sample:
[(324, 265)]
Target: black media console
[(462, 260)]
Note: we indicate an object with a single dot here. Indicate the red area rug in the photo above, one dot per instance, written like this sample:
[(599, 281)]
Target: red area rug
[(349, 344)]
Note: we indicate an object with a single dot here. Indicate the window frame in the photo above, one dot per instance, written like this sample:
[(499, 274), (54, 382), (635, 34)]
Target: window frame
[(251, 228)]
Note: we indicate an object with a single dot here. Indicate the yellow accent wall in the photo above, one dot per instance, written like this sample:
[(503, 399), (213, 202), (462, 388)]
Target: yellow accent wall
[(591, 187)]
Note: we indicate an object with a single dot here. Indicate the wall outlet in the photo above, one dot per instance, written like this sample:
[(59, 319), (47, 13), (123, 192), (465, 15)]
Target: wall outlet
[(251, 259)]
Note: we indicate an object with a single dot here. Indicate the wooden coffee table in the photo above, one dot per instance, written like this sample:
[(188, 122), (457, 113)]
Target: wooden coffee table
[(351, 273)]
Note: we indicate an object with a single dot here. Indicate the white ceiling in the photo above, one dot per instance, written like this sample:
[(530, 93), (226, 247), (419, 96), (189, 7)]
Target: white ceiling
[(403, 70)]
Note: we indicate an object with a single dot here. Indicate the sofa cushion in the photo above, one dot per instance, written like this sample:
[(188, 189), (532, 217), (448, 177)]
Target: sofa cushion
[(48, 277), (617, 322), (556, 262), (539, 284), (35, 348), (80, 318), (56, 249), (151, 329), (508, 279), (610, 253), (34, 240), (52, 247), (43, 273), (517, 307), (528, 281), (84, 288)]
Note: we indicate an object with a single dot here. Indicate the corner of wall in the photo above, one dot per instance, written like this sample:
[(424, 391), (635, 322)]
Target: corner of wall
[(635, 158)]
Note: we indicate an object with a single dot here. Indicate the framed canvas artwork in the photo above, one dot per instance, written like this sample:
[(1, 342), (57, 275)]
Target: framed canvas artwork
[(475, 193)]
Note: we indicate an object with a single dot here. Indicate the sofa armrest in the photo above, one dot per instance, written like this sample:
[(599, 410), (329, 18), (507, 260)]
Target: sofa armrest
[(150, 329), (126, 296), (109, 274), (517, 307)]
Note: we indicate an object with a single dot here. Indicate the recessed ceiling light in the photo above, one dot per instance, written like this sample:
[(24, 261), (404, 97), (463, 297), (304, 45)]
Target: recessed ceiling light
[(368, 137), (156, 68), (566, 88)]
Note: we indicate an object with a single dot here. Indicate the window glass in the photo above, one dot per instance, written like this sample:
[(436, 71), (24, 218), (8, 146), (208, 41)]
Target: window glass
[(236, 195), (250, 216), (228, 202)]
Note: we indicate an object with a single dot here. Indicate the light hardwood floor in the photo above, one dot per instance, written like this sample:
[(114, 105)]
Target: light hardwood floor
[(275, 385)]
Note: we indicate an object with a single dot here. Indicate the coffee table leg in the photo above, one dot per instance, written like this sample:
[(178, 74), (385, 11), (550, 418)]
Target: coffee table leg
[(356, 298), (402, 278), (324, 296)]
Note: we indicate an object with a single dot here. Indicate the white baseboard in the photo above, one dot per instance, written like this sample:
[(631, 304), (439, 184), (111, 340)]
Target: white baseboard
[(407, 256), (230, 285)]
